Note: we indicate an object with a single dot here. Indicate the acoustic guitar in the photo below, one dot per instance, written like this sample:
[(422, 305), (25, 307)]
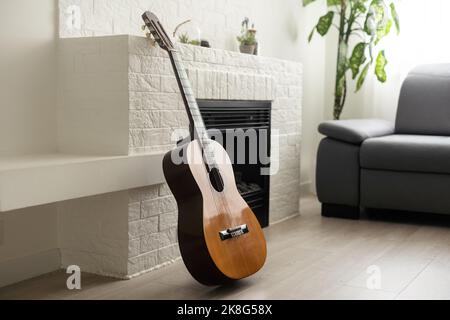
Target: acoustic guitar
[(219, 236)]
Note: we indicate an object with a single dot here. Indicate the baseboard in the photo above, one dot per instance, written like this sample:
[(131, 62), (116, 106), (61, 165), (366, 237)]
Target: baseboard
[(272, 223), (19, 269), (162, 265)]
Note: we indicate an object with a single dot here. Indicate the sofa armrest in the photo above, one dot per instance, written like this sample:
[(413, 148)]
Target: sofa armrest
[(356, 131)]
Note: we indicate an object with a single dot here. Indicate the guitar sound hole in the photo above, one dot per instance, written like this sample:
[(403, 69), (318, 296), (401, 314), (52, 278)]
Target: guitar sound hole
[(216, 179)]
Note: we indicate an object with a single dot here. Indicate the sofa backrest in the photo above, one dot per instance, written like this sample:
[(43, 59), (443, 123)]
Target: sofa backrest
[(424, 104)]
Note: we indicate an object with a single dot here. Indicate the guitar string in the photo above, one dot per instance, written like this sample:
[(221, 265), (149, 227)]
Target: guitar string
[(192, 105), (202, 136)]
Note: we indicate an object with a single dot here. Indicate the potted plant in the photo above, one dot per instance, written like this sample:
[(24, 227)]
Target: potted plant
[(367, 22), (247, 39), (184, 38)]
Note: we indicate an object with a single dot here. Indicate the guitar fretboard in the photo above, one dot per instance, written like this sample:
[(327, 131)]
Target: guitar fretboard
[(195, 117)]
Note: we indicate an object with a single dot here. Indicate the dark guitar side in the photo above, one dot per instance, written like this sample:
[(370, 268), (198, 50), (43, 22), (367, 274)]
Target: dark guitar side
[(203, 212)]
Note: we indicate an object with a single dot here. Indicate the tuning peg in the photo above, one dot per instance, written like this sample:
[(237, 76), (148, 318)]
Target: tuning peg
[(143, 27), (150, 39)]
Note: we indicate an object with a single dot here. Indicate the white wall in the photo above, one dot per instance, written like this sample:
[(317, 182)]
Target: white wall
[(27, 76), (219, 21), (28, 243), (93, 233), (418, 43), (27, 125), (313, 56), (280, 25)]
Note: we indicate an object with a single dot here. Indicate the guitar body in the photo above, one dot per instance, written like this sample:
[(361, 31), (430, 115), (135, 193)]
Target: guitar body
[(204, 212)]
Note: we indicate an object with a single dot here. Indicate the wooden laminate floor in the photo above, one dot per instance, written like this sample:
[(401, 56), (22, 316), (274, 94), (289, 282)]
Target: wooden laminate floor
[(309, 257)]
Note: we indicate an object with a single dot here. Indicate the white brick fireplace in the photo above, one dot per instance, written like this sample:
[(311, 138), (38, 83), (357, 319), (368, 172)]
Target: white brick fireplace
[(116, 84), (118, 104)]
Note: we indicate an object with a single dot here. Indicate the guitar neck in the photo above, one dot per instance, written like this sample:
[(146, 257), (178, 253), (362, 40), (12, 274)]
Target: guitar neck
[(198, 129), (192, 109)]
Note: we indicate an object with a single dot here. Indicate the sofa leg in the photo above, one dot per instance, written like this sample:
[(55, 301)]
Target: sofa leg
[(340, 211)]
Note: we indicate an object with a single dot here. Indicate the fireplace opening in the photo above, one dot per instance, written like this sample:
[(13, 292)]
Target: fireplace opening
[(245, 115)]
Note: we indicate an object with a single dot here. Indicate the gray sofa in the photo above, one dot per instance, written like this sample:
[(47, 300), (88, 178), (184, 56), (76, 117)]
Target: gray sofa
[(374, 164)]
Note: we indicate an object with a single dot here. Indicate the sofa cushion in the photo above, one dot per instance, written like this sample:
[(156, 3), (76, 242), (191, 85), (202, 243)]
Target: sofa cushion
[(413, 153), (424, 103)]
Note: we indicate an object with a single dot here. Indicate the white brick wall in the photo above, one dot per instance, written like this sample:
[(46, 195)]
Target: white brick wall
[(214, 74), (152, 228), (219, 20)]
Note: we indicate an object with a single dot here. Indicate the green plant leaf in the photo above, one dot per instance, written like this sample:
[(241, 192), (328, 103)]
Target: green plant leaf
[(311, 34), (382, 32), (306, 2), (362, 77), (360, 6), (331, 3), (247, 38), (357, 58), (380, 66), (324, 23), (370, 25), (183, 38), (375, 19), (395, 17)]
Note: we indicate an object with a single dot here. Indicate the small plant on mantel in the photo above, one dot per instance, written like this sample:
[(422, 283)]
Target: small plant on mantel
[(367, 20), (247, 39), (184, 38)]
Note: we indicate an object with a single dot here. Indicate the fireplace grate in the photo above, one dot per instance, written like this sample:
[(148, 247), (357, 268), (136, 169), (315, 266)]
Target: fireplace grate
[(236, 114)]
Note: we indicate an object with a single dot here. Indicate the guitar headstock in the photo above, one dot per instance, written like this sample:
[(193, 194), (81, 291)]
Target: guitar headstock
[(157, 31)]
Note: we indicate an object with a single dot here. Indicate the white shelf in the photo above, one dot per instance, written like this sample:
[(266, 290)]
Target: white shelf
[(27, 181)]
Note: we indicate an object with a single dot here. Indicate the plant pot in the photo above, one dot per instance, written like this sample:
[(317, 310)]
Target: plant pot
[(249, 49)]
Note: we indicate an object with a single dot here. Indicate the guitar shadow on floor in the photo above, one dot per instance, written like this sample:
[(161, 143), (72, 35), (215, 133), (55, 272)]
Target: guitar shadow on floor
[(228, 290)]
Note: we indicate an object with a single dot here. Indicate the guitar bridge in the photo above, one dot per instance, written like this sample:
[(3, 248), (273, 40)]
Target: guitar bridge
[(233, 232)]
